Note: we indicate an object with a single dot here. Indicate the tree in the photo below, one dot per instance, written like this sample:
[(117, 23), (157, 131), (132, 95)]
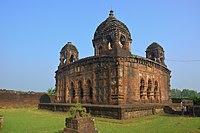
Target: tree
[(51, 91), (196, 100), (175, 93), (186, 93)]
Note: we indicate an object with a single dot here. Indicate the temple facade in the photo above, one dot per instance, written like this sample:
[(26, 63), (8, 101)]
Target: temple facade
[(113, 76)]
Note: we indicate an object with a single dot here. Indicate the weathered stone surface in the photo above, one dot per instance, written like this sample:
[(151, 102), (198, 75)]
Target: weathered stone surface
[(16, 98), (80, 125), (112, 111), (185, 101), (102, 82), (156, 53)]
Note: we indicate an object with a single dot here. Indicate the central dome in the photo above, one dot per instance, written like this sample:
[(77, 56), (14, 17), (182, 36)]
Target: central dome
[(109, 25), (112, 38)]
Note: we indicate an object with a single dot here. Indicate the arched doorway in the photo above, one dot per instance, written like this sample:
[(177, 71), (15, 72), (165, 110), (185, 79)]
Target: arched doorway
[(156, 91), (149, 88), (72, 92), (141, 88), (90, 89), (80, 87)]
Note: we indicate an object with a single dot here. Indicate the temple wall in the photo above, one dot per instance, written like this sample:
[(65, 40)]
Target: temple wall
[(114, 80), (133, 71)]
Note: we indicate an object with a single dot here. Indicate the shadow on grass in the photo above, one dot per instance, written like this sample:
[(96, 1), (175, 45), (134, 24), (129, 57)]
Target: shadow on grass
[(116, 121)]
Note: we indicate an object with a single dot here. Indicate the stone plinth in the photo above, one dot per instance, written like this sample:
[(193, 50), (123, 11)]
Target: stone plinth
[(80, 125)]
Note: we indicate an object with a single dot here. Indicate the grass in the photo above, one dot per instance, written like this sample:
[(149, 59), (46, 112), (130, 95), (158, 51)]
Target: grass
[(32, 120), (151, 124)]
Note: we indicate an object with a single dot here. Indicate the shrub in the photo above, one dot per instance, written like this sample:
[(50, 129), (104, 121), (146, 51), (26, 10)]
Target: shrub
[(78, 110)]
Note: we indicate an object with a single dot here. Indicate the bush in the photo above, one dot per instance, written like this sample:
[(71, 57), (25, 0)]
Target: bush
[(78, 109)]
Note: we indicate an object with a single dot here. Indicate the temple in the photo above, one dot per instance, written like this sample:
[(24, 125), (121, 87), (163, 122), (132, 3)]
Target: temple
[(113, 76)]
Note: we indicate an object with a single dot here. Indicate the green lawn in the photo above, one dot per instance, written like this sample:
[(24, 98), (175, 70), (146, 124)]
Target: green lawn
[(32, 120)]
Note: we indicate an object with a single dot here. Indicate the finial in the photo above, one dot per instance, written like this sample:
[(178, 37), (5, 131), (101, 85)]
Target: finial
[(111, 13), (69, 42)]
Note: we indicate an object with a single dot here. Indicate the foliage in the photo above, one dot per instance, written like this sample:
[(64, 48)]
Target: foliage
[(32, 120), (186, 93), (77, 109), (175, 93), (51, 91), (196, 100), (132, 55)]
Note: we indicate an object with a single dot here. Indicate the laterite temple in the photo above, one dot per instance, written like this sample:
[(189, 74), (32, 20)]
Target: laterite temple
[(113, 76)]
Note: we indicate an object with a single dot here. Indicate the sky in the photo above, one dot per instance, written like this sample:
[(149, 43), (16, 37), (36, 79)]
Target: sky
[(32, 33)]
